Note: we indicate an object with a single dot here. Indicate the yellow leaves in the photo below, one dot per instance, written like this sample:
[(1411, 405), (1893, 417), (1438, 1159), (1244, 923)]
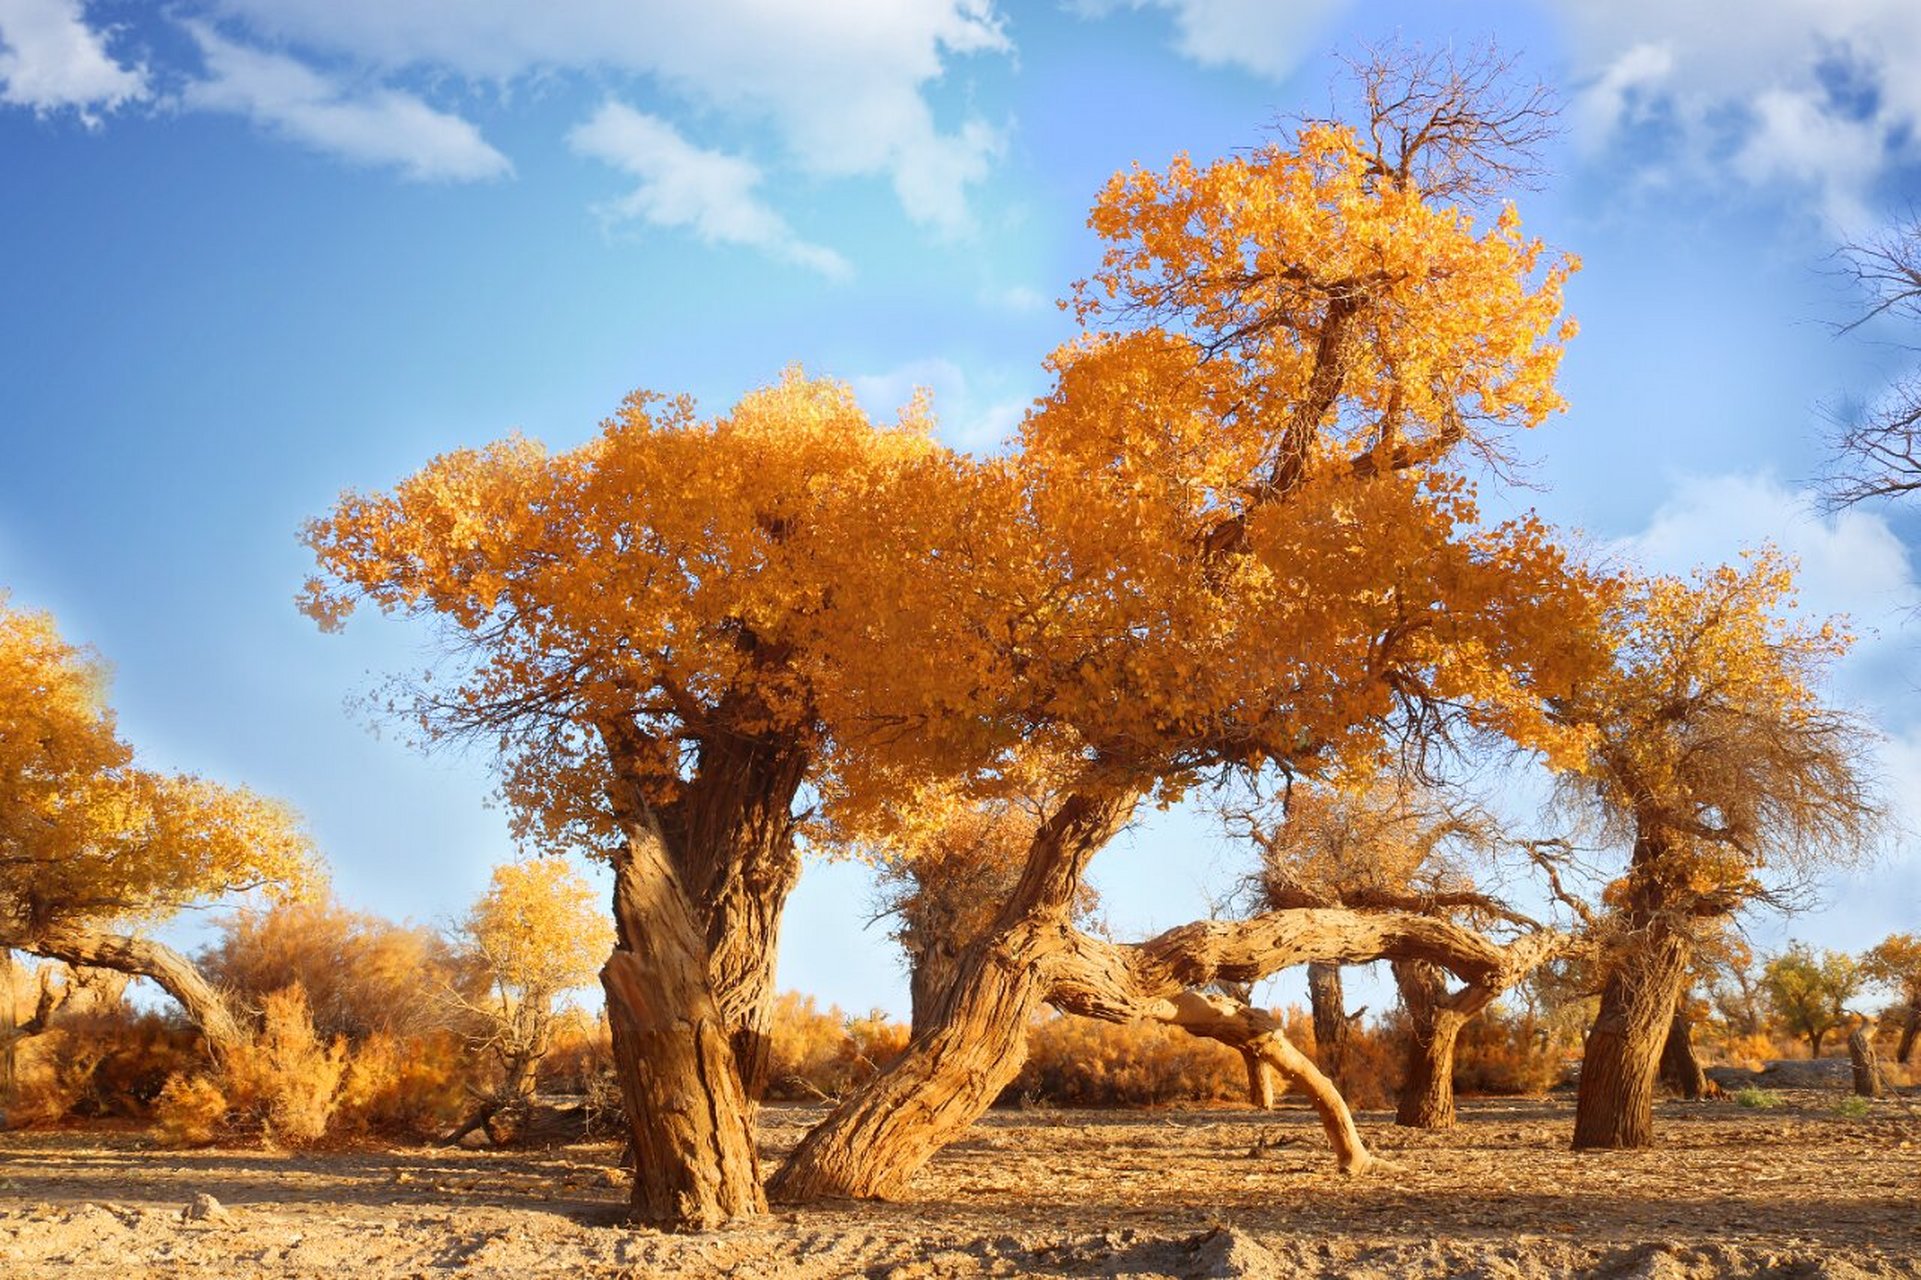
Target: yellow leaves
[(539, 928), (88, 837)]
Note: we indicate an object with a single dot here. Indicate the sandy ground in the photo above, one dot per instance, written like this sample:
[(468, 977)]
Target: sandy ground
[(1802, 1191)]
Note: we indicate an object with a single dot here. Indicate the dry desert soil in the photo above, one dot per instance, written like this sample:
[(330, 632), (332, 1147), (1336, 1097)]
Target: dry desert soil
[(1803, 1190)]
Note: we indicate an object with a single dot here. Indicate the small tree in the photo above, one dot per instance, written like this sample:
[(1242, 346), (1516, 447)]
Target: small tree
[(94, 848), (1809, 992), (1895, 963), (1714, 763), (535, 935)]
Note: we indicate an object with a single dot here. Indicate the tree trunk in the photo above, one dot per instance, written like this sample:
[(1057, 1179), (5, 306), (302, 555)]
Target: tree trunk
[(690, 1121), (1329, 1006), (1435, 1019), (1814, 1043), (1680, 1069), (1868, 1082), (877, 1139), (1910, 1030), (730, 837), (205, 1006), (1615, 1106), (934, 966), (1260, 1080)]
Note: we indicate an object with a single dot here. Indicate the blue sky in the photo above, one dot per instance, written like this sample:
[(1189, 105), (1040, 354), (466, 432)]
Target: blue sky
[(254, 252)]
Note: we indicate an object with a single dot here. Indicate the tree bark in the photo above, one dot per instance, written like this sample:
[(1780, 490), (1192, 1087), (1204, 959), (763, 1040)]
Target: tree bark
[(1680, 1068), (1260, 1080), (934, 967), (730, 837), (1435, 1018), (1868, 1082), (1615, 1106), (878, 1138), (690, 1121), (172, 972), (1329, 1006), (1910, 1030)]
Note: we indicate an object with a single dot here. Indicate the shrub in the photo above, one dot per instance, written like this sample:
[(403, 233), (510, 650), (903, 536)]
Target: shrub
[(363, 975), (403, 1088), (1081, 1062), (1757, 1099), (823, 1054), (286, 1081), (1853, 1107), (189, 1112)]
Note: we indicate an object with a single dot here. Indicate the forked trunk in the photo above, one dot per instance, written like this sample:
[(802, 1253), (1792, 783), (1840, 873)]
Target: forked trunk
[(1680, 1069), (1615, 1106), (730, 837), (1868, 1082), (1435, 1019), (1329, 1005), (690, 1121), (879, 1138)]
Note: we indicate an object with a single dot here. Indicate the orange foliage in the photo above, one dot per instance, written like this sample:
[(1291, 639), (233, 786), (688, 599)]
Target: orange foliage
[(820, 1053)]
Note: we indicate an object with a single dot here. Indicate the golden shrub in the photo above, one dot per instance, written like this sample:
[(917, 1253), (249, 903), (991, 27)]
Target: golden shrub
[(189, 1112)]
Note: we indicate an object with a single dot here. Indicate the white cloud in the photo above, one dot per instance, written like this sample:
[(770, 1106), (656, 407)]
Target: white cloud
[(1268, 37), (50, 59), (971, 417), (377, 126), (1851, 564), (1820, 94), (842, 84), (682, 185)]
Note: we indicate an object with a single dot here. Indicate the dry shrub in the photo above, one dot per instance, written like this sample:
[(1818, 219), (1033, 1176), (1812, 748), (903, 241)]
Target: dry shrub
[(285, 1083), (1372, 1072), (1509, 1053), (823, 1054), (363, 975), (105, 1063), (582, 1050), (403, 1088), (1081, 1062), (190, 1112)]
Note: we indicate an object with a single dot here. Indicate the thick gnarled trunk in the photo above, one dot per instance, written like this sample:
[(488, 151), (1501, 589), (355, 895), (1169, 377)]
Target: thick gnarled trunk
[(730, 838), (1615, 1105), (1868, 1081), (1435, 1018), (689, 1119), (935, 966), (1910, 1031)]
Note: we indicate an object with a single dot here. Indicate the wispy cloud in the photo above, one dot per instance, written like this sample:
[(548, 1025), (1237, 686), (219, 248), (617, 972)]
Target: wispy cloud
[(51, 60), (1267, 37), (374, 126), (842, 85), (1821, 97), (710, 193)]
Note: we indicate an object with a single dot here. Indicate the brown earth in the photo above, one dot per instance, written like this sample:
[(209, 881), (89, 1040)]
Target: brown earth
[(1801, 1191)]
